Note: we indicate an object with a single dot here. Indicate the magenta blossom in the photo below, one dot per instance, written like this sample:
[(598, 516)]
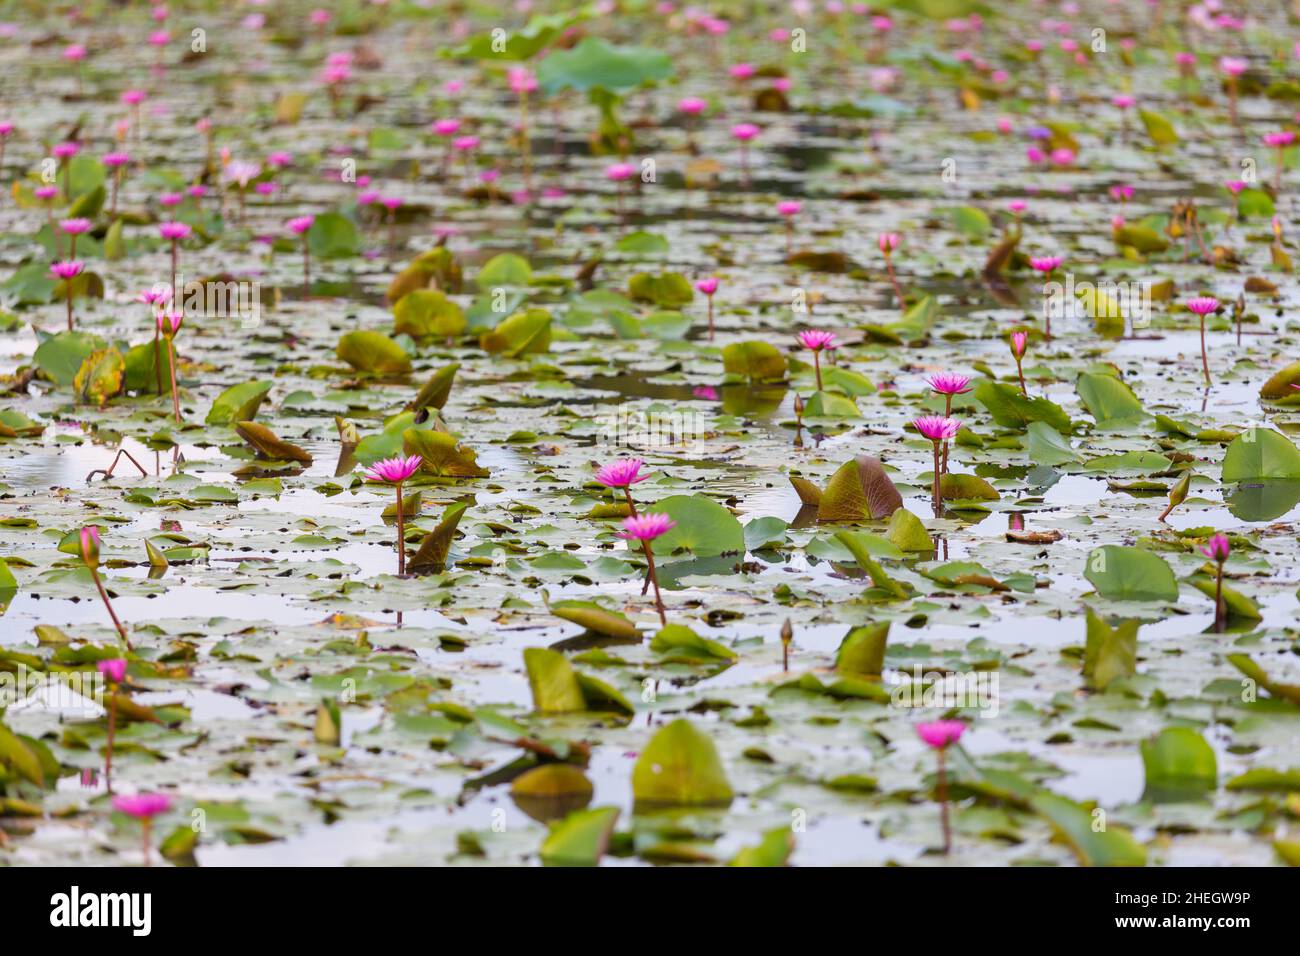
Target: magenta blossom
[(937, 428), (949, 383), (67, 269), (1203, 305), (621, 473), (88, 540), (394, 470), (745, 131), (692, 105), (114, 160), (816, 340), (1018, 342), (617, 172), (1217, 548), (143, 806), (170, 323), (445, 127), (300, 224), (175, 231), (888, 242), (789, 207), (708, 286), (75, 227), (646, 527), (1045, 264), (940, 734), (114, 669)]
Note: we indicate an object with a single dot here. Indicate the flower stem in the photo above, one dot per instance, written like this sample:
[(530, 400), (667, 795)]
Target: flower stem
[(112, 729), (144, 829), (94, 573), (401, 533), (943, 804), (1021, 372), (947, 413), (157, 358), (1220, 609), (631, 505), (710, 318), (938, 505), (817, 366), (893, 280), (306, 265), (176, 400), (654, 579), (68, 285), (1205, 362)]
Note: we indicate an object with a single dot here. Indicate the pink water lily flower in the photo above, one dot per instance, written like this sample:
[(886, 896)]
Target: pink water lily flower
[(949, 383), (88, 541), (1018, 341), (1217, 548), (888, 242), (745, 131), (617, 172), (941, 733), (113, 668), (445, 127), (300, 224), (816, 340), (67, 269), (75, 227), (646, 527), (692, 105), (143, 806), (175, 231), (707, 286), (937, 428), (621, 473), (393, 470), (1045, 264), (789, 207)]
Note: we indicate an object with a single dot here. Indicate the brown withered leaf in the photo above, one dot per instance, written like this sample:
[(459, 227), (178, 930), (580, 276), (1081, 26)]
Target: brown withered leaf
[(269, 445), (1034, 537)]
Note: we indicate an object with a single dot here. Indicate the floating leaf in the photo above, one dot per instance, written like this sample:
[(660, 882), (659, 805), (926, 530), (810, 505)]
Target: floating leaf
[(369, 351), (1260, 453), (521, 334), (239, 403), (755, 361), (553, 681), (427, 312), (1111, 652), (1109, 401), (1109, 846), (1011, 409), (859, 490), (1179, 766), (704, 527), (680, 767), (433, 549), (862, 651), (442, 454), (581, 839), (1130, 574)]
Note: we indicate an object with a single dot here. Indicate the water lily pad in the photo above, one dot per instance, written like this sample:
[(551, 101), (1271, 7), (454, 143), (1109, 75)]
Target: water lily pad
[(680, 766), (1130, 574), (1179, 766)]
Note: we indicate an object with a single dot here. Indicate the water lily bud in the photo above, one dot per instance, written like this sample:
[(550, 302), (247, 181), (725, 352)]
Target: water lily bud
[(90, 546)]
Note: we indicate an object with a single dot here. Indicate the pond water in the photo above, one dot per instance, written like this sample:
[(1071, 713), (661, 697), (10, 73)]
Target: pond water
[(302, 703)]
